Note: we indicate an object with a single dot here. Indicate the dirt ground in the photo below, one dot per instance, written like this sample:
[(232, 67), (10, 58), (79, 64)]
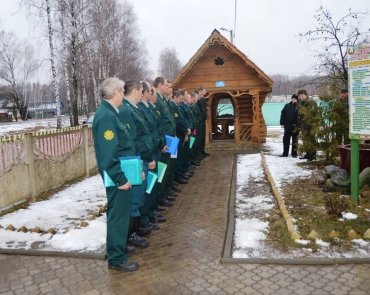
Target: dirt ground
[(305, 201)]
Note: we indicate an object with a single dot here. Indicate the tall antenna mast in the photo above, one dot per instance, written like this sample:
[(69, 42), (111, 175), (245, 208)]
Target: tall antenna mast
[(235, 21)]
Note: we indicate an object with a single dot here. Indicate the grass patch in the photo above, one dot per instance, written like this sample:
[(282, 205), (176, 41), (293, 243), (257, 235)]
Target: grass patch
[(278, 235), (306, 203)]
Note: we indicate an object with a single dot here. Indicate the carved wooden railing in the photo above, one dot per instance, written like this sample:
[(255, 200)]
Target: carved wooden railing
[(246, 131)]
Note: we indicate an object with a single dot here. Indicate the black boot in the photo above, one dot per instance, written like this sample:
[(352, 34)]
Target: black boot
[(134, 239), (137, 241), (125, 267), (130, 250)]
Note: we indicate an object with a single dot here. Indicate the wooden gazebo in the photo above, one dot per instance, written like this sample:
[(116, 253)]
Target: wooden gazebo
[(233, 81)]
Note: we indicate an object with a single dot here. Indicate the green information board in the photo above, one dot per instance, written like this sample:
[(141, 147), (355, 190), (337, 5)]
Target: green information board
[(359, 92), (359, 108)]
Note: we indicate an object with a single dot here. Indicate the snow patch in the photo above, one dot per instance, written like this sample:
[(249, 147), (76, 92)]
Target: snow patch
[(63, 210), (302, 242), (322, 243), (349, 215), (90, 238), (249, 233)]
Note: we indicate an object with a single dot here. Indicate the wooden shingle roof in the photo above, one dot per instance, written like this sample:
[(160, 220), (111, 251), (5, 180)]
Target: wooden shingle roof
[(217, 38)]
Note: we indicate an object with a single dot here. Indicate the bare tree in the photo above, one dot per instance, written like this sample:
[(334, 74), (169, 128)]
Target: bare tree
[(17, 64), (285, 85), (169, 63), (45, 8), (333, 38), (114, 41), (52, 63), (92, 39), (62, 11)]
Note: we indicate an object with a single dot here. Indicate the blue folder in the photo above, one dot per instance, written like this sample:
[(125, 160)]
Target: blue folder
[(150, 181), (161, 171), (191, 141), (172, 143), (108, 182), (132, 167)]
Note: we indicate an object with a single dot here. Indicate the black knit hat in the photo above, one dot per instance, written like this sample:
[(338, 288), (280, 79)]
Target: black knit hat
[(294, 96)]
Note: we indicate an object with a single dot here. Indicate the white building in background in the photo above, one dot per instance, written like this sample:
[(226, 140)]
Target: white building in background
[(42, 109)]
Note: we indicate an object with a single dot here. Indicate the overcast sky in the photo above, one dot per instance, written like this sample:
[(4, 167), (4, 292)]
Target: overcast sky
[(266, 30)]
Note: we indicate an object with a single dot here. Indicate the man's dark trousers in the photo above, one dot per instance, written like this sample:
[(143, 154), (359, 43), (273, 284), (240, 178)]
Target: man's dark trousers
[(168, 176), (202, 137), (290, 132), (118, 216)]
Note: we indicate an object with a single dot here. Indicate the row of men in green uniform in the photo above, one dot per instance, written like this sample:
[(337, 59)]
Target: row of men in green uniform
[(132, 120)]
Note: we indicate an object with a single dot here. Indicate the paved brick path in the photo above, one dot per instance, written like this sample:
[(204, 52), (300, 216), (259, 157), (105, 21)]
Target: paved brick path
[(183, 257)]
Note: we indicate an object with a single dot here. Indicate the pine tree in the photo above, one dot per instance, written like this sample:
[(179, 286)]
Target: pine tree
[(323, 127)]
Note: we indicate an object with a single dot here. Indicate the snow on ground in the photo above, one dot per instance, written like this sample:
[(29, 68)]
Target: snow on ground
[(31, 125), (282, 169), (348, 215), (90, 238), (63, 212), (251, 207), (250, 232)]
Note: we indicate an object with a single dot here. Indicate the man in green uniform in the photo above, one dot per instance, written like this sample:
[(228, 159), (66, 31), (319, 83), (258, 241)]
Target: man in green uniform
[(184, 106), (148, 213), (195, 151), (111, 141), (167, 126), (163, 148), (183, 132), (144, 148), (202, 105)]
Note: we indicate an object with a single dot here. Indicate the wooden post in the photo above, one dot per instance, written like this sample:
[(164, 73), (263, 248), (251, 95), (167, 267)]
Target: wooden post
[(237, 130), (256, 115), (85, 134), (30, 161)]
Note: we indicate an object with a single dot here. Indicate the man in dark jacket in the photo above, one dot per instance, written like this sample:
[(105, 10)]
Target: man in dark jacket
[(288, 120)]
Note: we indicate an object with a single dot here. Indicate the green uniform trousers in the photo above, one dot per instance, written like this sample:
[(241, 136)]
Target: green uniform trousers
[(118, 217), (168, 176), (138, 195)]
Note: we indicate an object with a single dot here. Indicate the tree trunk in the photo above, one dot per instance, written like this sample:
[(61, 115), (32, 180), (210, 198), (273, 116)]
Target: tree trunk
[(65, 67), (92, 73), (74, 63), (53, 70)]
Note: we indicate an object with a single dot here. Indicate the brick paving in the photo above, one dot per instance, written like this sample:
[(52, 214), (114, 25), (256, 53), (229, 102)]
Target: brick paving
[(183, 257)]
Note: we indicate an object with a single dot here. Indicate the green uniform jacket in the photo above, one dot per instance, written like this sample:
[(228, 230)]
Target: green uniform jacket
[(151, 121), (188, 114), (202, 106), (139, 130), (111, 141), (182, 124), (196, 114), (157, 116), (166, 124)]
